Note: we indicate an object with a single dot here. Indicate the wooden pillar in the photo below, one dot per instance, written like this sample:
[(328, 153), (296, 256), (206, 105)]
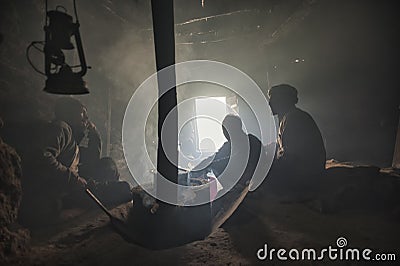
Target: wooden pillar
[(164, 41)]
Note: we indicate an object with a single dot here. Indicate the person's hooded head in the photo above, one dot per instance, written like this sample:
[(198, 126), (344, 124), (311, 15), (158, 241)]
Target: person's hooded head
[(232, 127), (282, 98), (71, 111)]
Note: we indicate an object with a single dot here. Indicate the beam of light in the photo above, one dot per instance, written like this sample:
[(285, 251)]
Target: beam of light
[(209, 17), (114, 13), (215, 16)]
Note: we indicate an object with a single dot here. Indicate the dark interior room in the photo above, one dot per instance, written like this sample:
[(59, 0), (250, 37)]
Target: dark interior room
[(199, 132)]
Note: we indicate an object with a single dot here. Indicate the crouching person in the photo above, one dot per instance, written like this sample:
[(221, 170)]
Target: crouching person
[(52, 179), (50, 171), (101, 174)]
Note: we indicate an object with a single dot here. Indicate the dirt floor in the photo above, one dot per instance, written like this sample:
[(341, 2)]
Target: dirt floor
[(92, 241), (88, 239)]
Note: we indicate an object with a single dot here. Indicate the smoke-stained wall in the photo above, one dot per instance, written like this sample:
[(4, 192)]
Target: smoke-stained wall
[(347, 80)]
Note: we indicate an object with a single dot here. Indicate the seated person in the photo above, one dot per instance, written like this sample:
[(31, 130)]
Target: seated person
[(52, 178), (241, 151), (88, 138), (50, 169), (300, 158), (101, 174)]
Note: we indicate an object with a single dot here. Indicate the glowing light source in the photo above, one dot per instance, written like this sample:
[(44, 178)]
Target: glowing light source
[(209, 128), (298, 60)]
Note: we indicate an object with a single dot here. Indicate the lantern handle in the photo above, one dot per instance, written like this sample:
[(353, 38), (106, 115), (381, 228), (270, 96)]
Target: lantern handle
[(60, 6), (33, 44), (76, 13)]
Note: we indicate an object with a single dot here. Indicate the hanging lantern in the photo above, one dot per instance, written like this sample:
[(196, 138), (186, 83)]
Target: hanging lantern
[(59, 32)]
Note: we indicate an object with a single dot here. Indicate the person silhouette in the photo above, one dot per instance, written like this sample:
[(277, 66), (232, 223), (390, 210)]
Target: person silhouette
[(243, 150), (301, 154)]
